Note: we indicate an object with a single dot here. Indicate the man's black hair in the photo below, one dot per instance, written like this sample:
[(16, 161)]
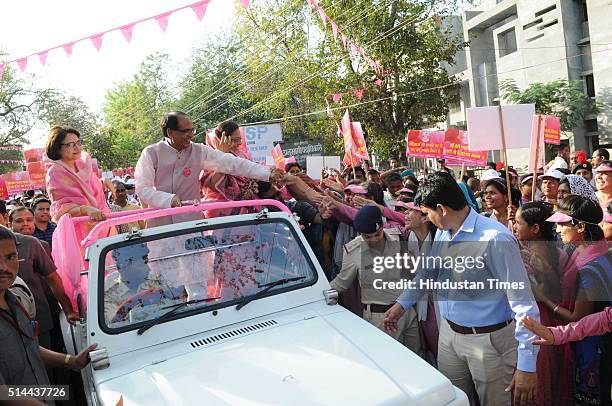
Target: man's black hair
[(2, 207), (393, 177), (39, 201), (7, 234), (440, 188), (603, 153), (263, 187), (291, 165)]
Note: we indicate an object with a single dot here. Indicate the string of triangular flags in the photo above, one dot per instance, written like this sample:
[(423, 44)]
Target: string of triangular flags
[(347, 42), (198, 8)]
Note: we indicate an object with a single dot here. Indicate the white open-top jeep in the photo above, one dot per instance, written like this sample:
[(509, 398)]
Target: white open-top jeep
[(231, 310)]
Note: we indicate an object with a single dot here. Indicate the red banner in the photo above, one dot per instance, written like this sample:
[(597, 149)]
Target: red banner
[(4, 195), (457, 152), (37, 173), (34, 155), (17, 181), (552, 130), (425, 144)]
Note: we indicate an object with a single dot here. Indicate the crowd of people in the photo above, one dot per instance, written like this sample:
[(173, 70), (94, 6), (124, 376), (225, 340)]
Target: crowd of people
[(548, 345)]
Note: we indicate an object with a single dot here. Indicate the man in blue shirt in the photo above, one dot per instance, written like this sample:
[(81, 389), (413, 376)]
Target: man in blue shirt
[(478, 341)]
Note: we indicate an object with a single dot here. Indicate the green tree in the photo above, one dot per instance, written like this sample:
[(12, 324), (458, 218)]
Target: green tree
[(132, 111), (20, 103), (63, 109), (279, 62), (561, 98)]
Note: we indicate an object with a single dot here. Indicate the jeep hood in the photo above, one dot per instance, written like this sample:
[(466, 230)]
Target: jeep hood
[(335, 359)]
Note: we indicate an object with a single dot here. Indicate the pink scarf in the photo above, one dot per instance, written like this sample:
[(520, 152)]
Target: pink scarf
[(228, 187), (68, 189)]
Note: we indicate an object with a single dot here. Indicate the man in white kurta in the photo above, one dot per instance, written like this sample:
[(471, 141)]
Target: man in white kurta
[(168, 171)]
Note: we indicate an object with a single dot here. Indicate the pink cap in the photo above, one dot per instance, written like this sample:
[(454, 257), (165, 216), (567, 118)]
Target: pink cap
[(413, 206), (559, 217), (356, 189), (406, 190), (603, 168), (399, 203), (607, 217)]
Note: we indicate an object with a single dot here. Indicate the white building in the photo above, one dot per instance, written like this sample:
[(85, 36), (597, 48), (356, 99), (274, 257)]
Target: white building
[(537, 41)]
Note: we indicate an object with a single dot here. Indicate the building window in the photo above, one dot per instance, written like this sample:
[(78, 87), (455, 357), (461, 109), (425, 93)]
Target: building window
[(590, 85), (506, 42)]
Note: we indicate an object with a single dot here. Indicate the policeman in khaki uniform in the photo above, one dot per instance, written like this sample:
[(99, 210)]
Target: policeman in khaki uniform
[(358, 261)]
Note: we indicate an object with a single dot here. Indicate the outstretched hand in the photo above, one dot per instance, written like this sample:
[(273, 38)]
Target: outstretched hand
[(546, 336)]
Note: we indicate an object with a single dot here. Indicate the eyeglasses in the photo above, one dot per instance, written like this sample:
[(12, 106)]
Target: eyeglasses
[(186, 130), (73, 144)]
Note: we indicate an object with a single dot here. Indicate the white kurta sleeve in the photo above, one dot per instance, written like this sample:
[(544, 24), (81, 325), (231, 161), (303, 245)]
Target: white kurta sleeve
[(229, 164), (145, 183)]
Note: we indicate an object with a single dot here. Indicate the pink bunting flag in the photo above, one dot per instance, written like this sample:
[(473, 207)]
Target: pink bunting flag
[(1, 71), (200, 9), (23, 62), (127, 32), (68, 48), (359, 93), (43, 57), (245, 3), (323, 15), (378, 82), (344, 40), (162, 20), (97, 41), (336, 97), (334, 30), (353, 47)]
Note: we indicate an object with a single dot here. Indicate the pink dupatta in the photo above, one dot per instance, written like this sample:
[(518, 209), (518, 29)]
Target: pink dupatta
[(68, 189), (228, 187)]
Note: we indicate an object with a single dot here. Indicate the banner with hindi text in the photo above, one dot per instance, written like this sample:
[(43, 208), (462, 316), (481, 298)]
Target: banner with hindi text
[(17, 182), (552, 130), (425, 143), (457, 152)]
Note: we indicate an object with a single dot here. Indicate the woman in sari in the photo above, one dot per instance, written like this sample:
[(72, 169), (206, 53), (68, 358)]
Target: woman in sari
[(544, 262), (74, 189), (72, 180), (577, 223), (220, 186)]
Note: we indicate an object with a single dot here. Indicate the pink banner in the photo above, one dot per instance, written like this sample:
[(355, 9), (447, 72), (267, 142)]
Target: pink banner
[(37, 172), (127, 32), (17, 182), (536, 151), (457, 151), (425, 144), (279, 158), (552, 130), (34, 155)]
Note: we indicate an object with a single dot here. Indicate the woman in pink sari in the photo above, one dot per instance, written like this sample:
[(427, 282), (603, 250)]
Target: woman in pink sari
[(220, 186), (74, 189), (72, 180)]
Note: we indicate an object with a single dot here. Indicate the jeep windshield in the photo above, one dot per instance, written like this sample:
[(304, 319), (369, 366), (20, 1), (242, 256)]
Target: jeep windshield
[(210, 268)]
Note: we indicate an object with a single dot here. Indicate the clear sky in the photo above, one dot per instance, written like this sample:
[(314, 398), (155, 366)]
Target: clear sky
[(28, 26)]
